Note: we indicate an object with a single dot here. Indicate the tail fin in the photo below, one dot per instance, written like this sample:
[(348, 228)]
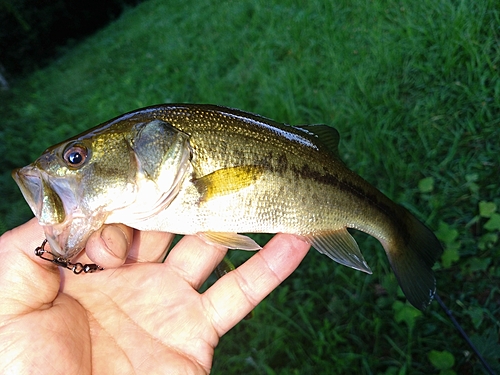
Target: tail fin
[(412, 256)]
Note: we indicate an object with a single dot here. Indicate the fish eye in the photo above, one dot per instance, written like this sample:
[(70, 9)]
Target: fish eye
[(75, 155)]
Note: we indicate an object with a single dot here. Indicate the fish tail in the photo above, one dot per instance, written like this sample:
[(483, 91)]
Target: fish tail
[(412, 253)]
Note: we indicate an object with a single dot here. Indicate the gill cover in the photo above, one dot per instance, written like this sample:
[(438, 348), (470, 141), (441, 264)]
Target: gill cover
[(162, 154)]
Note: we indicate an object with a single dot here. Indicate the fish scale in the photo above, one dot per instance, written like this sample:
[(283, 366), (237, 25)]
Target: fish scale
[(216, 172)]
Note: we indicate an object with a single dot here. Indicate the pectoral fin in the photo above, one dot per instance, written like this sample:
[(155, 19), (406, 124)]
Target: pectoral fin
[(229, 240), (341, 247), (227, 180)]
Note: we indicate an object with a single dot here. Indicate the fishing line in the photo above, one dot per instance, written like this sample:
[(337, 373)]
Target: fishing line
[(464, 335)]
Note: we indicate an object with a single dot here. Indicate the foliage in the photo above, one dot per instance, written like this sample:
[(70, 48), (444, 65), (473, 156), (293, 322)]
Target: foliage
[(412, 88), (31, 31)]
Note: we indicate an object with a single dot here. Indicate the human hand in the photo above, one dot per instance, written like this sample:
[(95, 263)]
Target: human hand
[(142, 318)]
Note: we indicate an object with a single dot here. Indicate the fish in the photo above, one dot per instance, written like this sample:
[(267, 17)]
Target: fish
[(217, 172)]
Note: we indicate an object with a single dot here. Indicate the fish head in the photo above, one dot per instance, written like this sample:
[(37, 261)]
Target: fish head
[(76, 186)]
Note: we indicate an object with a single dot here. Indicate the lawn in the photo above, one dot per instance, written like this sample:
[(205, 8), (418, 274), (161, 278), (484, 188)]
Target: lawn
[(413, 88)]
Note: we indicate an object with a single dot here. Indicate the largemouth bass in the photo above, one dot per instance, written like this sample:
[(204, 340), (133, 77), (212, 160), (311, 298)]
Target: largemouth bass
[(217, 172)]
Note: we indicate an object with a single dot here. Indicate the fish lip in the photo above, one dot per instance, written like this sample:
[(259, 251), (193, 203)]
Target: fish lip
[(68, 235), (29, 181), (44, 194), (32, 181)]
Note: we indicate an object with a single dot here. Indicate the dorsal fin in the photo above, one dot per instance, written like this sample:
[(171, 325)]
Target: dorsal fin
[(328, 135)]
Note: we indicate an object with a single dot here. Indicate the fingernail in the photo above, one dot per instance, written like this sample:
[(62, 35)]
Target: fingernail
[(115, 241)]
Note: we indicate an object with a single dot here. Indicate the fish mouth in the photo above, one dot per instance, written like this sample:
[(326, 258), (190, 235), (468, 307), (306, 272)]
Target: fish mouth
[(45, 198)]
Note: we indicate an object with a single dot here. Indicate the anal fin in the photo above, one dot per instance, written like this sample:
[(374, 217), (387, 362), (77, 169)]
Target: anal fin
[(339, 246), (229, 240)]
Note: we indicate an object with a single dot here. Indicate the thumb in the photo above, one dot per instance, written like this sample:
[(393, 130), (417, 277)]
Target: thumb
[(109, 246), (27, 281)]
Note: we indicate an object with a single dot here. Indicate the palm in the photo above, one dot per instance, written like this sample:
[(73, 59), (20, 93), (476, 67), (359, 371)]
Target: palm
[(150, 304), (141, 318)]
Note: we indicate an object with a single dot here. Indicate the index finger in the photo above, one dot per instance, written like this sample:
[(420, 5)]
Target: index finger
[(231, 298)]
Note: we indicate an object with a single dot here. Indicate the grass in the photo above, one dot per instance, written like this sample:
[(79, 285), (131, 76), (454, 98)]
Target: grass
[(412, 87)]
